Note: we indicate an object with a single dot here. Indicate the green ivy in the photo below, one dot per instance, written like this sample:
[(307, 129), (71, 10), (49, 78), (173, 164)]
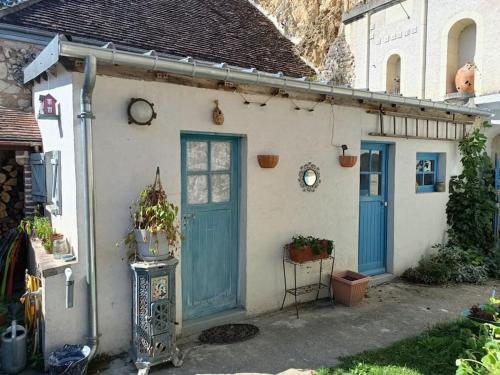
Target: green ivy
[(472, 201)]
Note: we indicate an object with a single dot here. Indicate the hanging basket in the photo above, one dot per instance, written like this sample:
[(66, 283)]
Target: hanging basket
[(348, 161), (268, 161)]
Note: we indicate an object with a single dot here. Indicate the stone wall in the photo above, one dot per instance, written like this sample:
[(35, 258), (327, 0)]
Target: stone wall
[(314, 26), (13, 57)]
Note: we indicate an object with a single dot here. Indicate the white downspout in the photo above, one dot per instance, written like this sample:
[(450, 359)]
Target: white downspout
[(423, 50), (85, 182)]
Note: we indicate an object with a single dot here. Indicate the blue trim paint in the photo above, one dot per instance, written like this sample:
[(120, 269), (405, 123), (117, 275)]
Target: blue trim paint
[(372, 249), (210, 248)]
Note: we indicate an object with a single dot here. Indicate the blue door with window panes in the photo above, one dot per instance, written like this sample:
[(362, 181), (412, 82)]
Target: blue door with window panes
[(426, 171), (210, 202), (372, 248)]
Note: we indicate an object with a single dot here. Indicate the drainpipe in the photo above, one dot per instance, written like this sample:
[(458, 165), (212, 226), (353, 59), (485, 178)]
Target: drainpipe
[(368, 32), (85, 181), (423, 50)]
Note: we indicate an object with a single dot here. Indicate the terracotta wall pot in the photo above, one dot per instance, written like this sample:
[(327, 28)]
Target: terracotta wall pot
[(349, 287), (305, 254), (268, 161), (464, 79), (348, 161)]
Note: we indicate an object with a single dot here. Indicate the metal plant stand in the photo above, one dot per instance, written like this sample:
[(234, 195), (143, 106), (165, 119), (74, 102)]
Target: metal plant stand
[(305, 289), (153, 314)]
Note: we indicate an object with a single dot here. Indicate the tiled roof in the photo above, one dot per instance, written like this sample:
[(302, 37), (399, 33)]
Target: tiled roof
[(230, 31), (18, 127)]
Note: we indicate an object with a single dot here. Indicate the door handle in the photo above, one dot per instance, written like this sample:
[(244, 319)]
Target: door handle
[(384, 204)]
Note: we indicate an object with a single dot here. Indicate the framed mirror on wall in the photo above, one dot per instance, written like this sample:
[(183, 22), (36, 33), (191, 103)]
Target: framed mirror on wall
[(309, 177)]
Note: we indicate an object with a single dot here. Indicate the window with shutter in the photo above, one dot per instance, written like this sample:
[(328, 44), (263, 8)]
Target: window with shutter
[(38, 187)]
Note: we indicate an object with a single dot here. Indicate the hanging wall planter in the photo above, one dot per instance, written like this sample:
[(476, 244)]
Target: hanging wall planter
[(347, 161), (268, 161), (217, 115)]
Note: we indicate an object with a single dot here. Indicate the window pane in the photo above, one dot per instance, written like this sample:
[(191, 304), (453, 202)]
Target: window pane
[(428, 165), (220, 187), (197, 156), (420, 165), (365, 161), (364, 183), (429, 179), (420, 179), (375, 185), (376, 161), (197, 189), (221, 156)]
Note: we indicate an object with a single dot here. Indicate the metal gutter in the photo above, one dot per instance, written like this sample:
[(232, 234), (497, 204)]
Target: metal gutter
[(221, 72), (372, 6), (423, 51)]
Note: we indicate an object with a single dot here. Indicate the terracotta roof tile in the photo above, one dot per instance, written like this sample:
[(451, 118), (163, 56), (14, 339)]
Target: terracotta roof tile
[(17, 126), (234, 31)]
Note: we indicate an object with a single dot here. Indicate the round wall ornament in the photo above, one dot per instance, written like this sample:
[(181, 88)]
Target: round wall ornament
[(309, 177)]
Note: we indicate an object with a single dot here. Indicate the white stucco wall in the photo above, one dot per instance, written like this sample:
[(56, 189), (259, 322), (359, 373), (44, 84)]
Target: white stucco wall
[(392, 32), (125, 158), (63, 326)]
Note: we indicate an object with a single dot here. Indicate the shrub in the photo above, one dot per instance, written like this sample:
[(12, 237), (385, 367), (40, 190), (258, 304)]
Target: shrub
[(450, 264), (483, 354)]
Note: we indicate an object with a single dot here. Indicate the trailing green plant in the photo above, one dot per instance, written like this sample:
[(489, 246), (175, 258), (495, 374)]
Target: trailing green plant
[(483, 355), (153, 212), (39, 227), (472, 201), (449, 264), (318, 245)]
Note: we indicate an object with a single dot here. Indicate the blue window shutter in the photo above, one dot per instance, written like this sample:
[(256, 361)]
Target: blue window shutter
[(38, 189), (53, 180)]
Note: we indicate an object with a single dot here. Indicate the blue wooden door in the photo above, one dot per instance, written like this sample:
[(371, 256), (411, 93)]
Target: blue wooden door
[(373, 209), (210, 202)]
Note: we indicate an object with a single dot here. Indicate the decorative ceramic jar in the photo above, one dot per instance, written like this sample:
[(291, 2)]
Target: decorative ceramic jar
[(464, 79)]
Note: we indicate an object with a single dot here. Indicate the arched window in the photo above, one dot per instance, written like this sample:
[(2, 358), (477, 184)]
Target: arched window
[(461, 50), (393, 75)]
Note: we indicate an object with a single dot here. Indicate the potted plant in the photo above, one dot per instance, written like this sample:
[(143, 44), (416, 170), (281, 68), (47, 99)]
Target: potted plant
[(155, 229), (40, 227), (349, 287), (304, 249)]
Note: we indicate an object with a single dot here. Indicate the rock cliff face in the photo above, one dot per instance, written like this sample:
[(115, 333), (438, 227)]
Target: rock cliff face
[(315, 26)]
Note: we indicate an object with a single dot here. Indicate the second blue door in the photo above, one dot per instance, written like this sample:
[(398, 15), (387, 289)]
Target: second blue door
[(372, 256), (210, 201)]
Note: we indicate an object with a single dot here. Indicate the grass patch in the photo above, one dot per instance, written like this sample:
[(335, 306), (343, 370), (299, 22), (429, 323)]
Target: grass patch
[(431, 353)]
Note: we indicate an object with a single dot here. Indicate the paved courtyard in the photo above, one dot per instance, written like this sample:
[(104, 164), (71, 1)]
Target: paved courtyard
[(324, 333)]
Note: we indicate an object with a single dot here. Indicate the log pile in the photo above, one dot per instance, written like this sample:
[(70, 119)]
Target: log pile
[(11, 193)]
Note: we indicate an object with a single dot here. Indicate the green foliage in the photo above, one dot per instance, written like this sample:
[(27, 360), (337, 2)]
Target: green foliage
[(40, 227), (483, 355), (318, 245), (450, 264), (472, 202), (152, 211), (433, 352)]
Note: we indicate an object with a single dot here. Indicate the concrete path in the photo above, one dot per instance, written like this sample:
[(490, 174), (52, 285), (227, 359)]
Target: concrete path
[(324, 333)]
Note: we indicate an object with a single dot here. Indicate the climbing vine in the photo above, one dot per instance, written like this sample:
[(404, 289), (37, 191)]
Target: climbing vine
[(472, 202)]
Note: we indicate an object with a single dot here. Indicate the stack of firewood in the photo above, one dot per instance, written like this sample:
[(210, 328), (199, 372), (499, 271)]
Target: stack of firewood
[(11, 195)]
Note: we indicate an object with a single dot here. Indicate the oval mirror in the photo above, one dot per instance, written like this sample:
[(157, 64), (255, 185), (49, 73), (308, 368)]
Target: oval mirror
[(310, 177)]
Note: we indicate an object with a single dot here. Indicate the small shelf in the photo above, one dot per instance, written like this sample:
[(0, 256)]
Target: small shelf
[(307, 289)]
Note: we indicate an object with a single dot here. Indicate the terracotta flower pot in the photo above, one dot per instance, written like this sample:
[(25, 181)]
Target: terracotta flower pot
[(306, 254), (268, 161), (348, 161), (464, 79), (349, 287)]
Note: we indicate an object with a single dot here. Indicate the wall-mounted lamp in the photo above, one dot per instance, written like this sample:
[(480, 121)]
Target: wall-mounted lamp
[(140, 112)]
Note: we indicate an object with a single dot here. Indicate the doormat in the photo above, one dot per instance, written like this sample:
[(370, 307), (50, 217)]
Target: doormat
[(228, 334)]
